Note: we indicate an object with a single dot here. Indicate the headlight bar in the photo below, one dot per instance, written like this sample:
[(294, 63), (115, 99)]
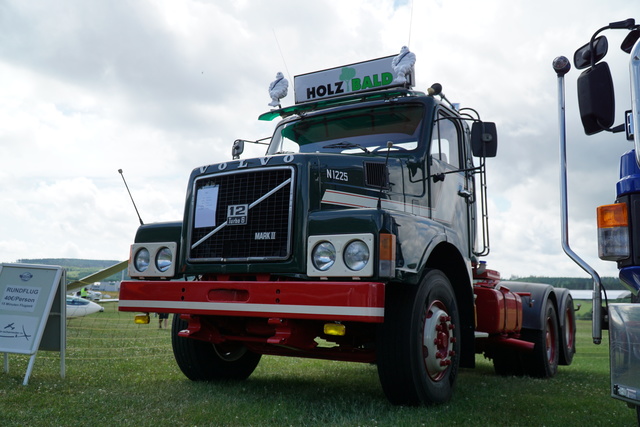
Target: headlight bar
[(161, 258), (339, 267)]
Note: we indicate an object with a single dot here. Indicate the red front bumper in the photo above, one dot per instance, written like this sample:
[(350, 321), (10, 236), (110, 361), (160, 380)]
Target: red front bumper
[(321, 300)]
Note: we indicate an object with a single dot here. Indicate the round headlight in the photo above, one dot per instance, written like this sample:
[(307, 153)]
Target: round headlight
[(163, 259), (356, 255), (323, 256), (141, 260)]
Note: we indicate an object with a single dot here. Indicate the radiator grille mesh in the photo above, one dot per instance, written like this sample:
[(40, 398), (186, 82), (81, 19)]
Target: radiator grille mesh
[(268, 195)]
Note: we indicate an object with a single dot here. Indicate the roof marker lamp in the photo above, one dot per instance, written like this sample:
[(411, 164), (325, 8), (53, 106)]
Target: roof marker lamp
[(613, 232), (323, 256)]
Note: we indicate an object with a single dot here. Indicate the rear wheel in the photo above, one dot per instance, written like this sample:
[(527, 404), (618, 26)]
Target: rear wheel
[(568, 335), (543, 361), (419, 342), (205, 361)]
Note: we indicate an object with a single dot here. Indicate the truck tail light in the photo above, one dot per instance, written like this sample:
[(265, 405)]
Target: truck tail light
[(613, 232), (387, 255)]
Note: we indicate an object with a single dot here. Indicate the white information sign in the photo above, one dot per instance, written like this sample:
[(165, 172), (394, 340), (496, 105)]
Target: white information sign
[(206, 206), (19, 298), (347, 79), (32, 300), (21, 330)]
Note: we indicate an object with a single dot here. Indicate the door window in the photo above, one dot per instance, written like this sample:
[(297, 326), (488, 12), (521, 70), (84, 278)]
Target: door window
[(444, 143)]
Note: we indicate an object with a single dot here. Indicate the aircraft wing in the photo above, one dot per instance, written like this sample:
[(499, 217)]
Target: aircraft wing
[(96, 277)]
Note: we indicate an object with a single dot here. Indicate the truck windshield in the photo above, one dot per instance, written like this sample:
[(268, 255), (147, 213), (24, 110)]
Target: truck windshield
[(353, 131)]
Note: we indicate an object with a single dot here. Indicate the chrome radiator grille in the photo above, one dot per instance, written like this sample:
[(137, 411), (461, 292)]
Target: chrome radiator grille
[(240, 216)]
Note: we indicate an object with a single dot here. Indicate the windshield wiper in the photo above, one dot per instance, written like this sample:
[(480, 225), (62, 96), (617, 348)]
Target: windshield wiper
[(346, 144)]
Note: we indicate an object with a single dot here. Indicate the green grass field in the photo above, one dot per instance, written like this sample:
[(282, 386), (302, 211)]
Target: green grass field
[(122, 373)]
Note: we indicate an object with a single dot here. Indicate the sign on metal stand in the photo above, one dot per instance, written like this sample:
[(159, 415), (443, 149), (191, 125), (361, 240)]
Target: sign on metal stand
[(32, 312)]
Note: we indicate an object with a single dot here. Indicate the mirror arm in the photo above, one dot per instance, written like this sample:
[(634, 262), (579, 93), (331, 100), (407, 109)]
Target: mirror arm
[(628, 24), (591, 44), (441, 175), (617, 129)]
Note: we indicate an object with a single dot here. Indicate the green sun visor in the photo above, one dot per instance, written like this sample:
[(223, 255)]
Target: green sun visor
[(335, 102)]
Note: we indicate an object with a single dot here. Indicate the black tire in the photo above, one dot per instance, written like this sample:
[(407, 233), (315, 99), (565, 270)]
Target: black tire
[(418, 344), (568, 333), (508, 363), (205, 361), (543, 361)]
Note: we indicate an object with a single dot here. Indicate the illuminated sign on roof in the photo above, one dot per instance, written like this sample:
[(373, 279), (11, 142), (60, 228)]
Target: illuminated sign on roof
[(348, 79)]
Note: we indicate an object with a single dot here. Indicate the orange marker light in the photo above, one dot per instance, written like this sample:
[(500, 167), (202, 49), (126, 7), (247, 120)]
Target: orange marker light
[(613, 215), (387, 255)]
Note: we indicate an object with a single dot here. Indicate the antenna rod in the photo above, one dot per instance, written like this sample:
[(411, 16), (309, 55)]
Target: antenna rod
[(410, 25), (134, 203), (280, 50)]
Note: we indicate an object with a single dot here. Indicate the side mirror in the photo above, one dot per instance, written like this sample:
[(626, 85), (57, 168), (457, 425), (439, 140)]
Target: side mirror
[(596, 98), (582, 57), (630, 40), (237, 149), (484, 139)]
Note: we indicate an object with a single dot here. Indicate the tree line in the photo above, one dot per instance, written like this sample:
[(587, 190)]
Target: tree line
[(576, 283), (78, 268)]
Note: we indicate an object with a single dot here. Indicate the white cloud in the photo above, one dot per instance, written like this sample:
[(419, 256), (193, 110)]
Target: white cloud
[(158, 88)]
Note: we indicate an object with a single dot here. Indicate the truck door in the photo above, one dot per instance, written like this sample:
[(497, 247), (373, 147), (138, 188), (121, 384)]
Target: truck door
[(451, 191)]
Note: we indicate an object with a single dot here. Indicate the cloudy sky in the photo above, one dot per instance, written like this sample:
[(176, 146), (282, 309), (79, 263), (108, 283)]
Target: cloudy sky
[(157, 88)]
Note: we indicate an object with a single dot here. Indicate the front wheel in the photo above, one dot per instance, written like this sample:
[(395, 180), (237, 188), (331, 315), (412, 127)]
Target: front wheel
[(419, 342), (205, 361)]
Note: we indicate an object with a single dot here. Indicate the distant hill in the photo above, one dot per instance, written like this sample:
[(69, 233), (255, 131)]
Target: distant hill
[(78, 268)]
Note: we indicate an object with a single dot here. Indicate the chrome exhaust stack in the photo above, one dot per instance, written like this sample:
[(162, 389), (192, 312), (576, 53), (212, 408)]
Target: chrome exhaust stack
[(562, 66)]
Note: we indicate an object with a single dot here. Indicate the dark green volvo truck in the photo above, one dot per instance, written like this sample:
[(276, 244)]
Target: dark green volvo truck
[(358, 236)]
